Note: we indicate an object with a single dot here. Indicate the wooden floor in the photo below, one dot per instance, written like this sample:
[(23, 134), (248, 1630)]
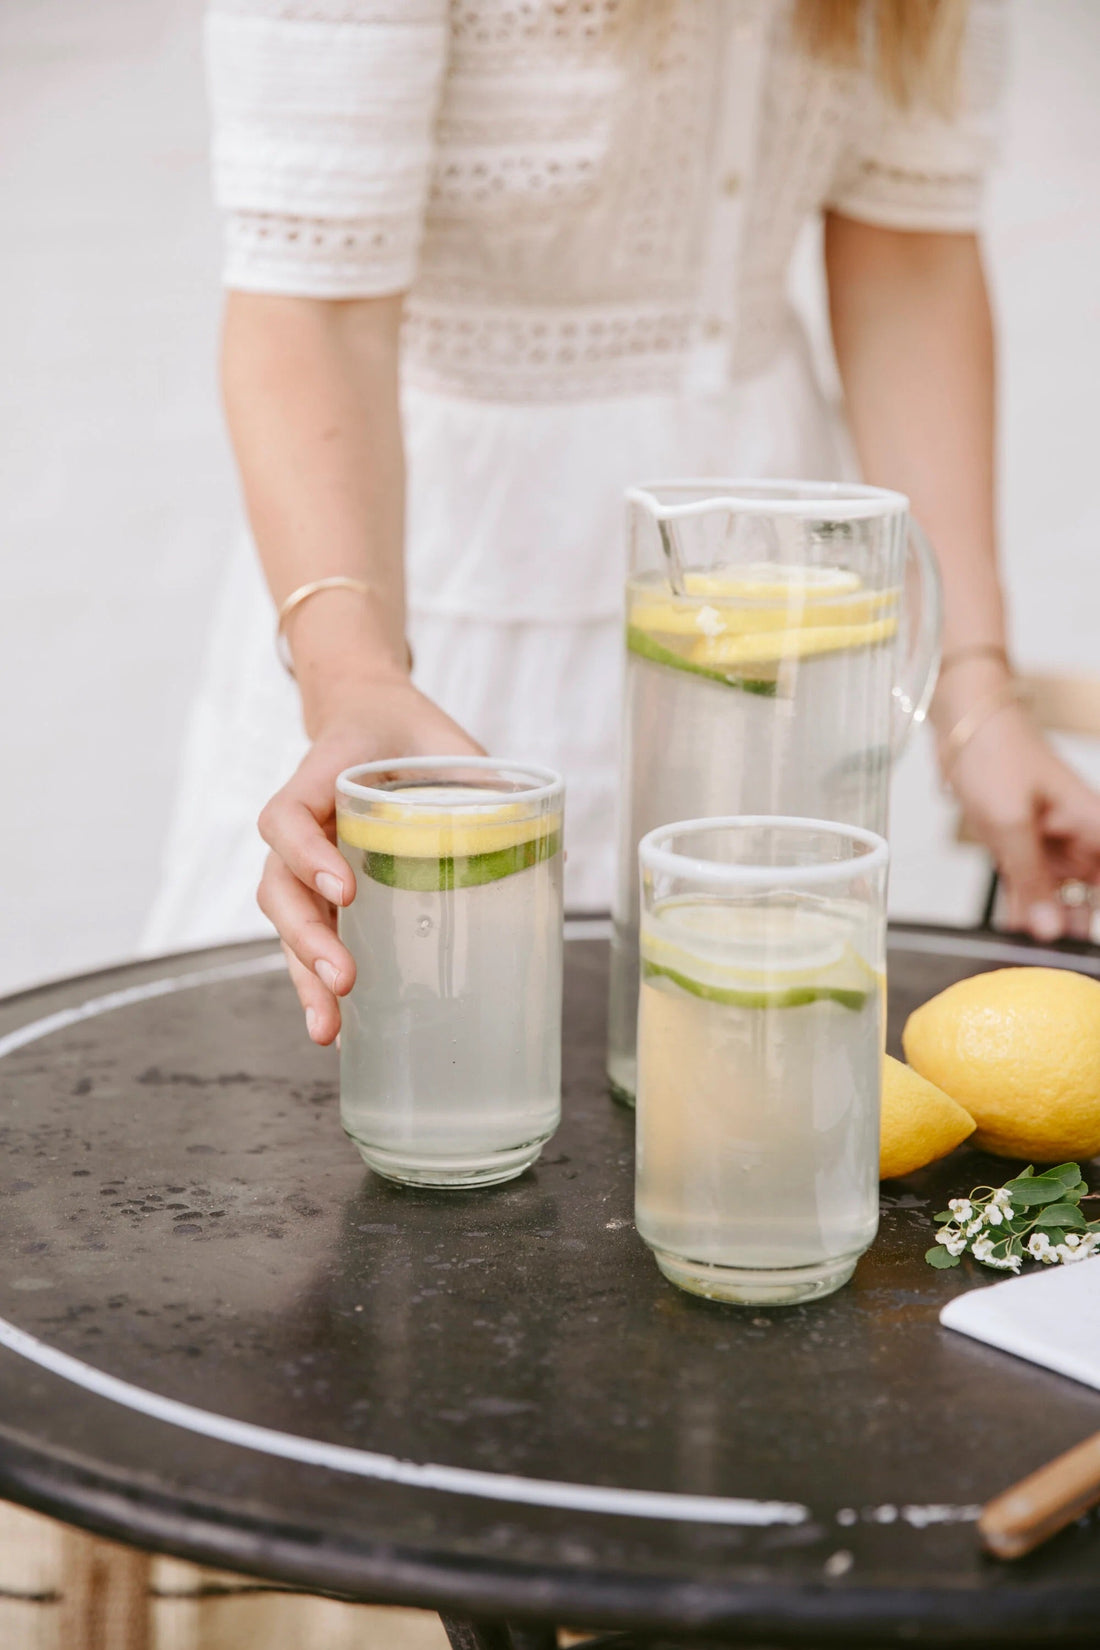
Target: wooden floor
[(59, 1590)]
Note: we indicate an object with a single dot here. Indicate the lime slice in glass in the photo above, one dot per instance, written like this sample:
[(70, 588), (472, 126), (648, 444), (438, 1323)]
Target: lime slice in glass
[(764, 956), (449, 841)]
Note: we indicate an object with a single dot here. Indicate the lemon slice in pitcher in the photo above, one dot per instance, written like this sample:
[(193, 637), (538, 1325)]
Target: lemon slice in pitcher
[(736, 625)]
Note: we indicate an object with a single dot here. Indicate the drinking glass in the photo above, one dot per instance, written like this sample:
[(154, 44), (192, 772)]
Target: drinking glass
[(760, 1046), (781, 638), (450, 1056)]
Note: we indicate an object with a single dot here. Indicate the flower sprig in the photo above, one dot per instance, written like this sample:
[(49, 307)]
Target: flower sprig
[(1034, 1217)]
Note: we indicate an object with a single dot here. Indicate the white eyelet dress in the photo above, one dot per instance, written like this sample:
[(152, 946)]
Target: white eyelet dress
[(592, 205)]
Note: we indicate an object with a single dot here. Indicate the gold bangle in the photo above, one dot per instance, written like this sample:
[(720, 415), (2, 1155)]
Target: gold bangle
[(956, 741), (338, 581)]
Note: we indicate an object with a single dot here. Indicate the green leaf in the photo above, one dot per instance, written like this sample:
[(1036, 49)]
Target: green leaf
[(1029, 1193), (1056, 1234), (943, 1218), (1026, 1174), (938, 1257), (1062, 1214), (1068, 1173)]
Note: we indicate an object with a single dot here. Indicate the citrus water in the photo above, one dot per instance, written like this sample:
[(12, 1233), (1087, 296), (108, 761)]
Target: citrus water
[(759, 1067), (450, 1062), (761, 690)]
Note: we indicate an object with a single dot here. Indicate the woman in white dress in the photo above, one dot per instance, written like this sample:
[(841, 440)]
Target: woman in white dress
[(488, 263)]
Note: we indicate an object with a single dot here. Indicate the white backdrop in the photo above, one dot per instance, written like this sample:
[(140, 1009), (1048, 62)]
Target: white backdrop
[(117, 499)]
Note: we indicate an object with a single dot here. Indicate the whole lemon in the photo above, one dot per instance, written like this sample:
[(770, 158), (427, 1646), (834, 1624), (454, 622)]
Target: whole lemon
[(919, 1122), (1020, 1049)]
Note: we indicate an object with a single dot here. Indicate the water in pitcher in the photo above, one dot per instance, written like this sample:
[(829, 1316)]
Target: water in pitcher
[(761, 690), (759, 1047), (450, 1067)]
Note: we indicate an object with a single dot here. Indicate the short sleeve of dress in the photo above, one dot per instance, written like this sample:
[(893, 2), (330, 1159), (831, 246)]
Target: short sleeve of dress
[(323, 114), (920, 170)]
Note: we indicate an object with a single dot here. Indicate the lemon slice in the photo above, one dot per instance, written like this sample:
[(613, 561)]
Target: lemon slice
[(768, 957), (773, 582), (646, 646), (444, 845), (797, 642)]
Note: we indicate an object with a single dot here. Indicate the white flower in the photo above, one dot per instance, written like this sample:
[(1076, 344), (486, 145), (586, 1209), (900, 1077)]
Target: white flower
[(983, 1250), (975, 1226), (993, 1215), (957, 1245), (952, 1239), (1039, 1247), (961, 1208), (1073, 1240), (1003, 1199)]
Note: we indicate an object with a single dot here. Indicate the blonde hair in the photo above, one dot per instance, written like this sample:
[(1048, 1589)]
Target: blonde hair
[(913, 45)]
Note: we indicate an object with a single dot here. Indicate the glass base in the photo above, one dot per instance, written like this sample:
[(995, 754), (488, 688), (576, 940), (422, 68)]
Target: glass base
[(755, 1286), (453, 1173), (622, 1079)]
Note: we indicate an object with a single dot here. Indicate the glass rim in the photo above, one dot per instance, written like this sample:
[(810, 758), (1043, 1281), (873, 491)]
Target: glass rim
[(831, 500), (654, 856), (548, 782)]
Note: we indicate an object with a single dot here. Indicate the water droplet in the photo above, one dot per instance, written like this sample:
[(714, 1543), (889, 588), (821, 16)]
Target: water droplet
[(423, 926)]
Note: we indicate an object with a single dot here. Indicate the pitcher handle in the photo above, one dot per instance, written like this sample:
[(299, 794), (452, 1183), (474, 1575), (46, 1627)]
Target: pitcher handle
[(922, 618)]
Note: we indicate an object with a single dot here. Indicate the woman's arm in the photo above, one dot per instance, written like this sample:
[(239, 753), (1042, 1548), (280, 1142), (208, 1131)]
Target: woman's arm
[(914, 343), (311, 394)]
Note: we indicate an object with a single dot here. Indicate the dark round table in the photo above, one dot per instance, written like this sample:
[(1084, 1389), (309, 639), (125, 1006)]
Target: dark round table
[(221, 1338)]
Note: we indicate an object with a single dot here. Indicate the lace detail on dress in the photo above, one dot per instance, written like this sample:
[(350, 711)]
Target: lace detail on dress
[(264, 251), (545, 355), (546, 176)]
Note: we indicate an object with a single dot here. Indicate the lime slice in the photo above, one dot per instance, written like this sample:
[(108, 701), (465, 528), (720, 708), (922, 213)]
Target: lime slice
[(460, 870), (447, 841), (645, 646), (764, 957)]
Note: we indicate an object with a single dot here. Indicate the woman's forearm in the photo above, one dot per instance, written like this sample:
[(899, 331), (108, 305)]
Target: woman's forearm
[(914, 343), (311, 394)]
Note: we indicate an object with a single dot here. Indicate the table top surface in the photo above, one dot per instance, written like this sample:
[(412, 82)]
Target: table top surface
[(221, 1337)]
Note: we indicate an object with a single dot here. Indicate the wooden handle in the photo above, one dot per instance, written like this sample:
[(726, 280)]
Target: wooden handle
[(1038, 1507)]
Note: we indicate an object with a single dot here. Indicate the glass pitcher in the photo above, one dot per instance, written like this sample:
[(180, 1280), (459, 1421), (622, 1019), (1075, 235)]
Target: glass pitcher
[(781, 639)]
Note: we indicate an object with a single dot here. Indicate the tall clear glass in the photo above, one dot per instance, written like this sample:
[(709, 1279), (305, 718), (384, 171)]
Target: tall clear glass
[(450, 1051), (781, 638), (760, 1046)]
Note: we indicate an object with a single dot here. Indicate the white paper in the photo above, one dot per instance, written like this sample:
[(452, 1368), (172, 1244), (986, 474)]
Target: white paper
[(1050, 1317)]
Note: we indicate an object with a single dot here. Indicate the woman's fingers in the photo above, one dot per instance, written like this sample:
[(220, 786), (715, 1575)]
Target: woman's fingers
[(291, 825), (1029, 882), (321, 1009), (305, 926)]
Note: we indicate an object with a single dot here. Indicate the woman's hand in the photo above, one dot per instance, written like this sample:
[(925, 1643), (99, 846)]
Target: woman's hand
[(1039, 820), (306, 878)]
